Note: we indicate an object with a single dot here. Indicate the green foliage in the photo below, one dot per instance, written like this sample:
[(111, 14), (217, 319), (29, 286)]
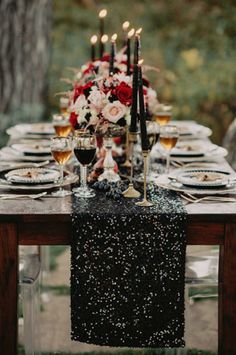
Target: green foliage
[(55, 251), (126, 352), (191, 42)]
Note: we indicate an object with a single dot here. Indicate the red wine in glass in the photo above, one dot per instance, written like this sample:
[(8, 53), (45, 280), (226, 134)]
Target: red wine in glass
[(85, 155)]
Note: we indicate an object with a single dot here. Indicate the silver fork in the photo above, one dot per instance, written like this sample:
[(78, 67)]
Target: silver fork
[(16, 196), (192, 199)]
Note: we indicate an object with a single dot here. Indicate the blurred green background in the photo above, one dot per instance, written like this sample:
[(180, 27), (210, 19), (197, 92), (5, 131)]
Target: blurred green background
[(191, 42)]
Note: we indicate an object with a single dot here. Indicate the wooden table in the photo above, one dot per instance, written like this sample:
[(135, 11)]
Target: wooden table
[(47, 222)]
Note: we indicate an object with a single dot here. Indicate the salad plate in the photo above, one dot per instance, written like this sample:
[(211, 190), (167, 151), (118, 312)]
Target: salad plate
[(69, 178), (191, 129), (32, 148), (31, 129), (215, 181), (204, 178), (32, 175), (10, 154)]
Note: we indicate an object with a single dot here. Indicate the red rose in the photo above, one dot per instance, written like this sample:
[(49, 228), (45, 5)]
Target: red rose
[(78, 90), (124, 94), (73, 119), (89, 69), (105, 58)]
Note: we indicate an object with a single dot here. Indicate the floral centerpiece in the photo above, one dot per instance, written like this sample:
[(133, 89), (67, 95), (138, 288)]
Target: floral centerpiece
[(102, 102), (105, 100)]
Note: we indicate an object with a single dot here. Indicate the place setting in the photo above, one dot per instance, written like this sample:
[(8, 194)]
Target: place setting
[(207, 183), (31, 130)]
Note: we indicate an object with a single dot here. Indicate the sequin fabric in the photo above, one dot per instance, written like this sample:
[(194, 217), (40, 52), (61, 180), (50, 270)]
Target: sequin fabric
[(127, 271)]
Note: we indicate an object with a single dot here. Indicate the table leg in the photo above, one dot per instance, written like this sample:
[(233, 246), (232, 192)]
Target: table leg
[(227, 293), (8, 288)]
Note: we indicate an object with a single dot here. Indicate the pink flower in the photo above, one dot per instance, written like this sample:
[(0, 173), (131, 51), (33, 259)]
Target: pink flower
[(97, 99), (80, 103), (114, 111)]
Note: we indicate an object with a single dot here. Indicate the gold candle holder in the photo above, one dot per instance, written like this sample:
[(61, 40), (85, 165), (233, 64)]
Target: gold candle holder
[(131, 192), (127, 163), (145, 202)]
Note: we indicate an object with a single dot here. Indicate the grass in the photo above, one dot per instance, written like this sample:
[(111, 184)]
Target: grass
[(127, 352), (61, 290), (55, 251)]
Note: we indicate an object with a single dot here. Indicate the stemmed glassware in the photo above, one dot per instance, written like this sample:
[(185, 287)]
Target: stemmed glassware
[(153, 132), (84, 150), (61, 149), (61, 125), (64, 103), (163, 114), (169, 135)]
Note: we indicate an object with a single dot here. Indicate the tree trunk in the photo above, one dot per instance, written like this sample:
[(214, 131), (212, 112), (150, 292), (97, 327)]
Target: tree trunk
[(24, 54)]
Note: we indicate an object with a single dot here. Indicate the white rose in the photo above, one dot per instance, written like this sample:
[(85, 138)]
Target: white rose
[(97, 99), (121, 77), (82, 115), (152, 100), (80, 103), (113, 111), (120, 57)]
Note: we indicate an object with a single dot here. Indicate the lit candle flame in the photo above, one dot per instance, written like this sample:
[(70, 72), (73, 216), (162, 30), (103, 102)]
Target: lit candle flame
[(125, 25), (138, 31), (93, 39), (140, 62), (102, 13), (114, 37), (104, 38), (131, 33)]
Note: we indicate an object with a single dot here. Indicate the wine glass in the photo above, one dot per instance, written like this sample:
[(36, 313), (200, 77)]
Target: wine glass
[(61, 125), (84, 150), (169, 135), (64, 104), (153, 132), (61, 149), (163, 114)]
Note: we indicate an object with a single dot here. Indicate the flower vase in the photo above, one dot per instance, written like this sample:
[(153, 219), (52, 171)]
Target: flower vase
[(109, 163)]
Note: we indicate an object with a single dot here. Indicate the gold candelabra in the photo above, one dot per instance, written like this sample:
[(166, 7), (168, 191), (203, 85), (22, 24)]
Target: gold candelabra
[(127, 163), (145, 202), (131, 192)]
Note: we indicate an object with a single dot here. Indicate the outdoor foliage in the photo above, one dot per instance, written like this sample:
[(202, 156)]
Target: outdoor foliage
[(191, 42), (127, 352)]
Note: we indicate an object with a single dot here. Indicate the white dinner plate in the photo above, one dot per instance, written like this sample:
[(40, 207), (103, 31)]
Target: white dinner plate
[(190, 149), (172, 182), (31, 129), (191, 129), (10, 154), (69, 178), (32, 175), (32, 148), (203, 178)]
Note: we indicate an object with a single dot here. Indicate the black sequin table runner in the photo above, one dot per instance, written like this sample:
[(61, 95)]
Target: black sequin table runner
[(127, 271)]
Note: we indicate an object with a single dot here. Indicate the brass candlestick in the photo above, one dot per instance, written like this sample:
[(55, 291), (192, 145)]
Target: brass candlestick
[(127, 163), (131, 192), (145, 202)]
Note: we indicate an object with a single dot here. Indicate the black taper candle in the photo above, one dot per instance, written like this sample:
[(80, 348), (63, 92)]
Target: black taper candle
[(142, 113), (101, 34), (133, 124), (112, 57), (93, 52), (128, 55), (93, 41)]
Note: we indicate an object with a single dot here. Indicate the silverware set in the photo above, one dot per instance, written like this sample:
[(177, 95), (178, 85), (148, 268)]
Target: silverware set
[(189, 198)]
